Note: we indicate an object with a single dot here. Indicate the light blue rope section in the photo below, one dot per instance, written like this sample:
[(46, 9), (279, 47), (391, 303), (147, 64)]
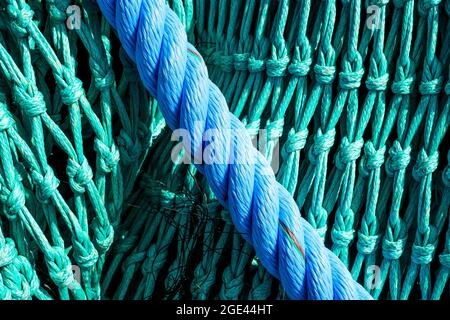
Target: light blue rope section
[(261, 209)]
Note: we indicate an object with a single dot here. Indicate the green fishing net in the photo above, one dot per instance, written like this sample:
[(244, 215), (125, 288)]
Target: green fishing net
[(349, 100)]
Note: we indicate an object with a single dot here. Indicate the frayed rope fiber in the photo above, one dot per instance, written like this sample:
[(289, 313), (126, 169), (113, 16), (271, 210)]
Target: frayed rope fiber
[(263, 211)]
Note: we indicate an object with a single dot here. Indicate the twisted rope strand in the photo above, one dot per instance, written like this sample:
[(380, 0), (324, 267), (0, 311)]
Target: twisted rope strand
[(257, 203)]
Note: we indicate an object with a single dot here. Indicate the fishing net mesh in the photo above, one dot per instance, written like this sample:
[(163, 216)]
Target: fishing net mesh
[(348, 99)]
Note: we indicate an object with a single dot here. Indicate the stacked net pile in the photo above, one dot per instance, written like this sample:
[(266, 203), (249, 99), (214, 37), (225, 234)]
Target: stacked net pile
[(73, 138), (348, 99)]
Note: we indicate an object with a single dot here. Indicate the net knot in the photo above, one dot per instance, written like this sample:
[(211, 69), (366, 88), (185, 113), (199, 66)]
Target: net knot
[(422, 254), (301, 68), (252, 127), (367, 244), (241, 61), (322, 144), (431, 87), (393, 250), (29, 274), (79, 175), (8, 252), (20, 18), (425, 5), (204, 279), (17, 283), (295, 141), (399, 158), (350, 79), (72, 93), (274, 129), (425, 165), (102, 79), (348, 152), (213, 57), (403, 86), (372, 158), (14, 199), (260, 289), (5, 293), (325, 74), (342, 238), (256, 65), (104, 235), (301, 62), (46, 184), (277, 67), (57, 10), (60, 268), (31, 105), (109, 156), (377, 83), (84, 253)]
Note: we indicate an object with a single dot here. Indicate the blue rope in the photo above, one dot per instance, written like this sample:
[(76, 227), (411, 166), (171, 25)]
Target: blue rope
[(262, 210)]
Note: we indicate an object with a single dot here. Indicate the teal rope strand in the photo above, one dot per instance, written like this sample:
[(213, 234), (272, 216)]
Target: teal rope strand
[(206, 271), (427, 161), (351, 145), (299, 69), (374, 152)]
